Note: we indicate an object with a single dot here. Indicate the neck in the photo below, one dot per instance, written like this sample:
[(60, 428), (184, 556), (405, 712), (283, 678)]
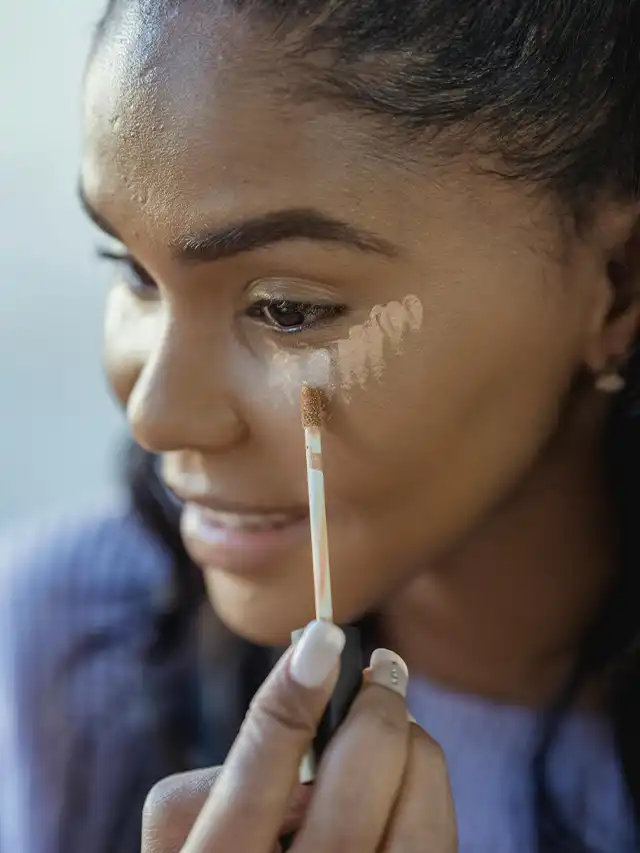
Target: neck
[(504, 613)]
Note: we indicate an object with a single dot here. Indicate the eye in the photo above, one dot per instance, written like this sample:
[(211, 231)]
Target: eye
[(135, 276), (290, 317)]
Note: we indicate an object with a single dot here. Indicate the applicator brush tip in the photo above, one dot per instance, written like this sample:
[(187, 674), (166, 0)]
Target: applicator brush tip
[(312, 405)]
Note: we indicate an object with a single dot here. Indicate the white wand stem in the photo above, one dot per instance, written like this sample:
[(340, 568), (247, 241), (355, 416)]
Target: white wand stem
[(318, 522)]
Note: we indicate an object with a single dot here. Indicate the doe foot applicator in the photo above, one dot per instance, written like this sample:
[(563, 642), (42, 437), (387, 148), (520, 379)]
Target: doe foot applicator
[(312, 404)]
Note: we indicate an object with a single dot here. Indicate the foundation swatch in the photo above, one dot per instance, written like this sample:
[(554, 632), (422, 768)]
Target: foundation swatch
[(364, 354), (354, 360)]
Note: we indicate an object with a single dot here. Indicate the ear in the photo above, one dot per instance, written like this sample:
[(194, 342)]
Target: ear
[(617, 318)]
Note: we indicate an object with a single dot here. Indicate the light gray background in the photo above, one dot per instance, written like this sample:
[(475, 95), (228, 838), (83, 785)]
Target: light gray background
[(58, 428)]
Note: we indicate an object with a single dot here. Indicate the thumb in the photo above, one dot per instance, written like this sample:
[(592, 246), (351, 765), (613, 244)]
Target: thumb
[(172, 807), (260, 775)]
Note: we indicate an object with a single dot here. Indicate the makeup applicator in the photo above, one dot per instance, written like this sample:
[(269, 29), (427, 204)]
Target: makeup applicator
[(312, 404), (313, 409)]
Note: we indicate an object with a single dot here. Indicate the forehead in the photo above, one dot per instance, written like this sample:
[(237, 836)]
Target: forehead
[(191, 117)]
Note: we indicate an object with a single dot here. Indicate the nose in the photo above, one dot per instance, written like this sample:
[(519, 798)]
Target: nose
[(180, 399)]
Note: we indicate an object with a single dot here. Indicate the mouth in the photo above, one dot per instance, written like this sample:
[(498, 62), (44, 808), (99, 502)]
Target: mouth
[(238, 540)]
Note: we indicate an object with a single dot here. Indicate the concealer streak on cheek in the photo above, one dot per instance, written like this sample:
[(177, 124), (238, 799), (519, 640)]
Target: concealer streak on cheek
[(354, 360), (364, 354), (289, 371)]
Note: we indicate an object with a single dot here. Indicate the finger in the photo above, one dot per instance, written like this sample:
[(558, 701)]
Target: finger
[(172, 807), (296, 809), (174, 803), (248, 803), (424, 817), (361, 773)]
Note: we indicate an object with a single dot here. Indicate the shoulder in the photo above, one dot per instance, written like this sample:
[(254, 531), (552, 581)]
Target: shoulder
[(103, 554), (78, 612), (66, 581), (79, 599)]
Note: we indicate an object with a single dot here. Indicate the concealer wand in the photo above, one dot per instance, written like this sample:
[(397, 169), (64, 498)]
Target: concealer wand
[(312, 405)]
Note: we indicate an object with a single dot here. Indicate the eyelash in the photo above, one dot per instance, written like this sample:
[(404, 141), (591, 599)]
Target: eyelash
[(262, 310)]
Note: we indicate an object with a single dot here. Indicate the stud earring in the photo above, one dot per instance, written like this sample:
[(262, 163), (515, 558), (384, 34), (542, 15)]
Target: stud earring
[(610, 381)]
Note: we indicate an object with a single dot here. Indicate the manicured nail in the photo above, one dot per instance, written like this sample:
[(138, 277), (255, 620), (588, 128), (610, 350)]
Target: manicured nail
[(412, 719), (317, 653), (389, 670)]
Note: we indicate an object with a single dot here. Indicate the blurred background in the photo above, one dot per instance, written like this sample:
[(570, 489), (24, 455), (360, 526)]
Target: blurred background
[(59, 429)]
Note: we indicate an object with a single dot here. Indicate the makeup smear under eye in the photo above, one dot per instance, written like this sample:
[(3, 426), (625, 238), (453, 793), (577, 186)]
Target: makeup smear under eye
[(352, 361), (290, 370), (364, 353)]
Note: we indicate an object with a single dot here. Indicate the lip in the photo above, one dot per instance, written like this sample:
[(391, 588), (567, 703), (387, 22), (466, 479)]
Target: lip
[(240, 541)]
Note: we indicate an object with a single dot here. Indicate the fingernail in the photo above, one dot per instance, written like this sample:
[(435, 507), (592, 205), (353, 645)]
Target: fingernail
[(389, 670), (317, 654), (412, 719)]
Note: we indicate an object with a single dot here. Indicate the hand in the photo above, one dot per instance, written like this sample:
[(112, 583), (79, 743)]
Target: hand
[(382, 785)]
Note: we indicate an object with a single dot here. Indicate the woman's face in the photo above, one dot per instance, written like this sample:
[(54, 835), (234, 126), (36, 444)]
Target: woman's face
[(272, 241)]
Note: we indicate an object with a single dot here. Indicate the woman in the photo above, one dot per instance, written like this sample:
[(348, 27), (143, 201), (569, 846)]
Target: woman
[(434, 217)]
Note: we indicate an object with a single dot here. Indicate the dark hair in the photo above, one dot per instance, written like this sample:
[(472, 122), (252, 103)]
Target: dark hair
[(548, 91)]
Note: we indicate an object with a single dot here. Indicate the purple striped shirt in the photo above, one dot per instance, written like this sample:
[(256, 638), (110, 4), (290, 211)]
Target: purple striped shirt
[(77, 754), (77, 605)]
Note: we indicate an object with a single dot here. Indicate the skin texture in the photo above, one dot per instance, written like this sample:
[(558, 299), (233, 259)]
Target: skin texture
[(462, 484)]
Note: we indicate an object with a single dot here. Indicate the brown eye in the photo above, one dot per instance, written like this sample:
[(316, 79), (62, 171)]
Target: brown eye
[(285, 316), (136, 278)]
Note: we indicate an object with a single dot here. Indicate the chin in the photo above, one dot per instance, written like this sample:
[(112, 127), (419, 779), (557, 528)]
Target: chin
[(265, 614)]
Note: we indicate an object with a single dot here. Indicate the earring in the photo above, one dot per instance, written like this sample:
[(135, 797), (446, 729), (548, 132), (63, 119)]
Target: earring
[(610, 381)]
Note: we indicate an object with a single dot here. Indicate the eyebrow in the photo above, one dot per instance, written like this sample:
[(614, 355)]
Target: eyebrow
[(276, 227), (258, 232)]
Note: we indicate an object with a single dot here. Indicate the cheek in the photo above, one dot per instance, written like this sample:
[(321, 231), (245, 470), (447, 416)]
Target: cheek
[(132, 331), (470, 397)]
